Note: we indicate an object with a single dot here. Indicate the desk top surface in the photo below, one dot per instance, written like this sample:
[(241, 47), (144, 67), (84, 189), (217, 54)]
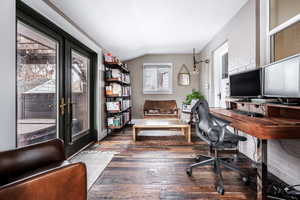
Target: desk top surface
[(261, 127)]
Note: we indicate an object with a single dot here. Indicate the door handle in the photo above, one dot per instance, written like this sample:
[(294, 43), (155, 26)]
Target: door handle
[(62, 106), (220, 96)]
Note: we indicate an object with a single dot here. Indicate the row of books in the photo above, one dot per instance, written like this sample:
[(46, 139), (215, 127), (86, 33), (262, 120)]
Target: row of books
[(113, 74), (118, 106), (113, 89), (126, 91), (118, 120), (116, 74)]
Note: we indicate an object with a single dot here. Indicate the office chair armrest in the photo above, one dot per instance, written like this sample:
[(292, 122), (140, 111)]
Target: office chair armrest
[(222, 135), (219, 121)]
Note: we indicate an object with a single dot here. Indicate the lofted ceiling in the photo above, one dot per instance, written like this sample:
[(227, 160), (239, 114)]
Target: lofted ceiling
[(131, 28)]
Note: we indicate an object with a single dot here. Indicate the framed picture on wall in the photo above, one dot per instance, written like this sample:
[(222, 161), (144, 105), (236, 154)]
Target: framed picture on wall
[(184, 77)]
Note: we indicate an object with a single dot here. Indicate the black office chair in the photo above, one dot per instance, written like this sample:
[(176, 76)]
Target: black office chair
[(213, 131)]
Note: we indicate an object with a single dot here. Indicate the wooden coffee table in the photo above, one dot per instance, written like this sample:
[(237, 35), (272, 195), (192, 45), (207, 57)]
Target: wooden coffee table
[(156, 124)]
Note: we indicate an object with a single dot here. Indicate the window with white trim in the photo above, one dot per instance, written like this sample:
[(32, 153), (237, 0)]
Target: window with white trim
[(157, 78)]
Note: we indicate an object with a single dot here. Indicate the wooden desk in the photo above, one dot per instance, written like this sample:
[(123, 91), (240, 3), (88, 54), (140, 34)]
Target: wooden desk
[(154, 124), (261, 127), (280, 122)]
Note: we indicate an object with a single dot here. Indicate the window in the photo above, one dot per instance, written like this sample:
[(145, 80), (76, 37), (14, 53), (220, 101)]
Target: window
[(286, 42), (225, 65), (157, 78), (282, 11), (284, 28), (80, 94), (37, 61)]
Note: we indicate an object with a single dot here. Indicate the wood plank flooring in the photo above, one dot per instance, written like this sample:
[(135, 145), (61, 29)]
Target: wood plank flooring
[(154, 168)]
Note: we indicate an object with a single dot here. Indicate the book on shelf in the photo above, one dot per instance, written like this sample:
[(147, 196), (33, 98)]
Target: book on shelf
[(126, 91), (108, 90), (113, 89), (113, 106), (126, 78), (126, 103), (115, 121), (126, 117), (113, 74)]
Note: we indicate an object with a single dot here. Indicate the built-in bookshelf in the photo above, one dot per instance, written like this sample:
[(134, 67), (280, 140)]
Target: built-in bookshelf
[(117, 94)]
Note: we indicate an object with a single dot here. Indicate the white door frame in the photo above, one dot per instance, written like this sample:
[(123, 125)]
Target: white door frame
[(218, 93)]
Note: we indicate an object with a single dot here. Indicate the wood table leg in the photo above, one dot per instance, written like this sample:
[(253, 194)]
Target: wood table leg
[(183, 131), (134, 133), (262, 169), (189, 134)]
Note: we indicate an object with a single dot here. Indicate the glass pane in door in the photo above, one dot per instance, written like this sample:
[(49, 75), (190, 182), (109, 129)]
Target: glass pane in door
[(80, 94), (37, 61)]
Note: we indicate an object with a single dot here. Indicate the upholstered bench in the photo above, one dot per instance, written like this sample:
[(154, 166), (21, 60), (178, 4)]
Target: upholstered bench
[(160, 109)]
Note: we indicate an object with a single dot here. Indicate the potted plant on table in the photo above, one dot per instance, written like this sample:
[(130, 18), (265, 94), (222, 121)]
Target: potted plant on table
[(195, 95), (190, 100)]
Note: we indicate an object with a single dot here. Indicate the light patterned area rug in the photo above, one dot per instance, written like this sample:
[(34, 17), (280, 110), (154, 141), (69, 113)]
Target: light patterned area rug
[(95, 162)]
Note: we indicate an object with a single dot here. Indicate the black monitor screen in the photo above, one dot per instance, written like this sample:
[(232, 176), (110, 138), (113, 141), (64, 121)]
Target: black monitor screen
[(246, 84)]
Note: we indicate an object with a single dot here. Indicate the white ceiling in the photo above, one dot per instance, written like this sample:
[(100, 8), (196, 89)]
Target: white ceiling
[(131, 28)]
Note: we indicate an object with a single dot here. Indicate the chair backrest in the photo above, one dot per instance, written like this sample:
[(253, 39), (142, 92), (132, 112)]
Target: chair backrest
[(204, 123), (17, 162)]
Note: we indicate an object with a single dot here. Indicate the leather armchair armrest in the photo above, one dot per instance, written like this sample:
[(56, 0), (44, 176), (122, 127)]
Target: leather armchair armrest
[(62, 183)]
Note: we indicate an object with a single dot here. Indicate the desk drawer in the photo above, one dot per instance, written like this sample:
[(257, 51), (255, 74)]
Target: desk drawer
[(243, 107), (257, 109)]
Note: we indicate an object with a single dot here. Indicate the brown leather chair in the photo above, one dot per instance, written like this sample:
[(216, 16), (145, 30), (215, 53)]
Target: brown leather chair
[(160, 109), (41, 172)]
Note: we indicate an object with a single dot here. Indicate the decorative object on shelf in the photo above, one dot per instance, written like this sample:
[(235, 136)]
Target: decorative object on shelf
[(108, 57), (184, 76), (117, 93), (196, 62)]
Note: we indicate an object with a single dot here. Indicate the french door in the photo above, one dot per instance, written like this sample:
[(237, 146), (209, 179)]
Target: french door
[(78, 101), (55, 81)]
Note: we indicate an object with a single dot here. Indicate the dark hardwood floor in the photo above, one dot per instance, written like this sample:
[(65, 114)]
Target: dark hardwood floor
[(154, 168)]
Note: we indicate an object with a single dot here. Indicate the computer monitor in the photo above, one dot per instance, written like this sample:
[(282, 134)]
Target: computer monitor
[(282, 79), (245, 84)]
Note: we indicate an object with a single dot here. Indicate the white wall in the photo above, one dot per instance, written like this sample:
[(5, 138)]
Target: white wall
[(240, 34), (179, 92), (7, 75)]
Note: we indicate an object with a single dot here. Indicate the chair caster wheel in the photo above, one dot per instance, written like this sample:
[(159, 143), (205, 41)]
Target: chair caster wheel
[(189, 171), (246, 180), (220, 190)]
